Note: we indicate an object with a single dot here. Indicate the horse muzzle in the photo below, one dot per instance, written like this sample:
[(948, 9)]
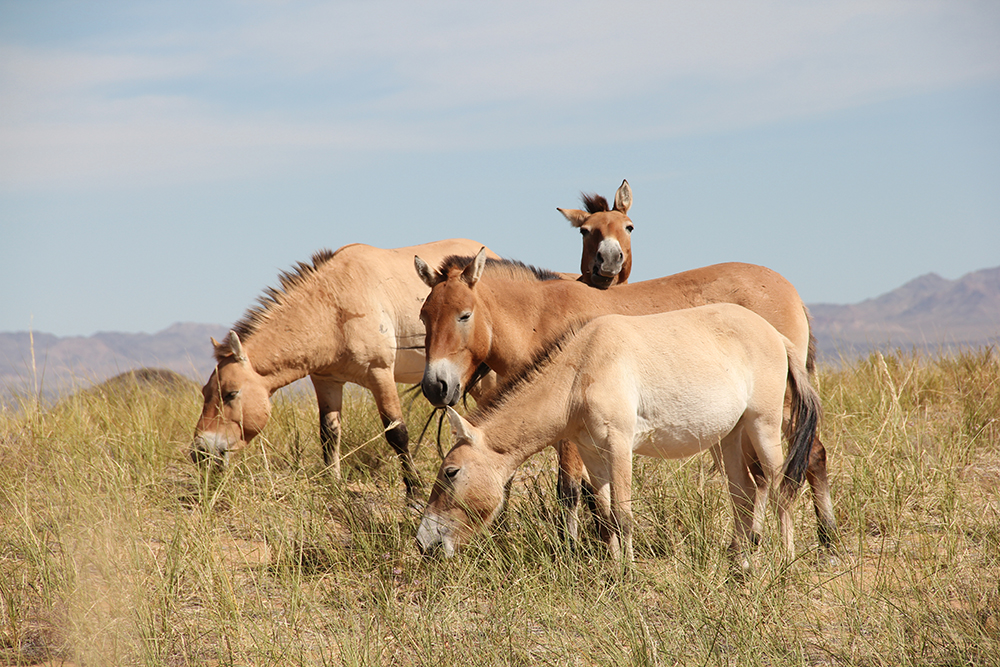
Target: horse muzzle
[(434, 539), (209, 449), (608, 263), (441, 384)]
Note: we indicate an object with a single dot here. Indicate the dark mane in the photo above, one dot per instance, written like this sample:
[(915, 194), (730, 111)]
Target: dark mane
[(525, 375), (594, 203), (507, 267), (257, 314)]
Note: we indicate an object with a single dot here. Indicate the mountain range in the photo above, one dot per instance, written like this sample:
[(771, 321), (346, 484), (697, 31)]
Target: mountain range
[(930, 312), (34, 362)]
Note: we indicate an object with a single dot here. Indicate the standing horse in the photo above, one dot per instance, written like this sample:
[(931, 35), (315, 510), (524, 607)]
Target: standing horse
[(668, 385), (349, 316), (607, 238), (500, 314)]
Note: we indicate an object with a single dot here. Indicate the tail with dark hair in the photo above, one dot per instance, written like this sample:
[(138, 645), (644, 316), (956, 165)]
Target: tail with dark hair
[(801, 428), (811, 353)]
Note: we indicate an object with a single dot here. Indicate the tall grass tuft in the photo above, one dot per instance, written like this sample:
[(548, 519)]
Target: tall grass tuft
[(114, 550)]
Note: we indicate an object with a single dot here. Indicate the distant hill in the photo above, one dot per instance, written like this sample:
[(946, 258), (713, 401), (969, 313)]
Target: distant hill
[(66, 364), (929, 312)]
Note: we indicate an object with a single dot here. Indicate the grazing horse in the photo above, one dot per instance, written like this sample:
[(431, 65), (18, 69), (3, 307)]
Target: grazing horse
[(349, 316), (607, 238), (668, 385), (485, 313)]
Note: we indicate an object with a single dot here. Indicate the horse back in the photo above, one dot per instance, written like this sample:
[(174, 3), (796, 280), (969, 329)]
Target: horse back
[(753, 287)]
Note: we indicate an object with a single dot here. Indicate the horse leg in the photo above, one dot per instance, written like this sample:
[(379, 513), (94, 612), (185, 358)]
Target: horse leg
[(621, 497), (765, 434), (569, 488), (330, 397), (743, 492), (383, 388), (819, 483), (761, 488), (599, 472)]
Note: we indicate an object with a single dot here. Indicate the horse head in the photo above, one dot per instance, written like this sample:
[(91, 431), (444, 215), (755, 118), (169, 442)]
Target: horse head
[(456, 334), (237, 405), (467, 495), (607, 238)]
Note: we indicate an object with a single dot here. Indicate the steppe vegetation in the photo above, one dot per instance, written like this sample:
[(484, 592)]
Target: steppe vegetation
[(115, 551)]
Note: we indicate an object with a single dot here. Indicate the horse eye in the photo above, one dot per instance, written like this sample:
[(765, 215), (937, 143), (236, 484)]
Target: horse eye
[(584, 231), (451, 472), (230, 396), (628, 229), (465, 317)]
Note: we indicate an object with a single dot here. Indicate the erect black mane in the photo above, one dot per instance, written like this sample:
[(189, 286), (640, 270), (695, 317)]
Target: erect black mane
[(507, 266), (289, 280), (594, 203)]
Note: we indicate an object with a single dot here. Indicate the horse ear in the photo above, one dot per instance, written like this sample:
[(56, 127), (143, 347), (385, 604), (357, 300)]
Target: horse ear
[(575, 216), (236, 346), (460, 429), (474, 271), (424, 271), (623, 198)]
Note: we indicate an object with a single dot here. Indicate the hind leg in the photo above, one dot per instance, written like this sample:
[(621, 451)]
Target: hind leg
[(761, 487), (764, 432), (816, 475), (742, 492)]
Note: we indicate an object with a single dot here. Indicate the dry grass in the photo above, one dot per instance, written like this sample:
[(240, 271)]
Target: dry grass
[(114, 551)]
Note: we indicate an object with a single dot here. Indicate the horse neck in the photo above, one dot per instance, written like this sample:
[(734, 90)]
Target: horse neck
[(525, 316), (299, 338), (531, 418)]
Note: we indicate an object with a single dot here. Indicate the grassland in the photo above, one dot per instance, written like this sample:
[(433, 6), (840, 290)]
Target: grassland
[(115, 551)]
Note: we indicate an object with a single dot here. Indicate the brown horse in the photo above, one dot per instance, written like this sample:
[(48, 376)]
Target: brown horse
[(349, 316), (500, 314), (668, 385), (607, 238)]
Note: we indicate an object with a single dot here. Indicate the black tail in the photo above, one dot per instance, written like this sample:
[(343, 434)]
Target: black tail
[(802, 426)]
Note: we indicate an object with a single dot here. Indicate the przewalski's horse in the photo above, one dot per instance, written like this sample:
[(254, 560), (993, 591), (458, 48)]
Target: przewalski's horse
[(668, 385), (349, 316), (607, 238), (502, 313)]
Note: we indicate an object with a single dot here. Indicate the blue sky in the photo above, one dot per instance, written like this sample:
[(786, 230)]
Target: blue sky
[(162, 162)]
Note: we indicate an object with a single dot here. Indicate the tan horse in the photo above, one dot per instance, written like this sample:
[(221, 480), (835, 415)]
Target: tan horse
[(500, 314), (668, 385), (607, 238), (349, 316)]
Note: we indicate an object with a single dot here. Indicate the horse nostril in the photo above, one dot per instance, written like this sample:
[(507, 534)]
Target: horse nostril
[(435, 390), (442, 388), (432, 550)]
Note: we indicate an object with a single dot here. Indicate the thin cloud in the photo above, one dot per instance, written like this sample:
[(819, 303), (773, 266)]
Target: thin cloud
[(283, 85)]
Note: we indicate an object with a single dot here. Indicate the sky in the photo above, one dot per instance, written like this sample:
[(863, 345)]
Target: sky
[(164, 162)]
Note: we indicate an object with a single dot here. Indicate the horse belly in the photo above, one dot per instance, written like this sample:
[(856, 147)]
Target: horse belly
[(679, 433)]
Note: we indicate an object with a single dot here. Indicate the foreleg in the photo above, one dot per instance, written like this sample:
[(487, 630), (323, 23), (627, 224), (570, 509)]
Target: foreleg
[(330, 398)]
